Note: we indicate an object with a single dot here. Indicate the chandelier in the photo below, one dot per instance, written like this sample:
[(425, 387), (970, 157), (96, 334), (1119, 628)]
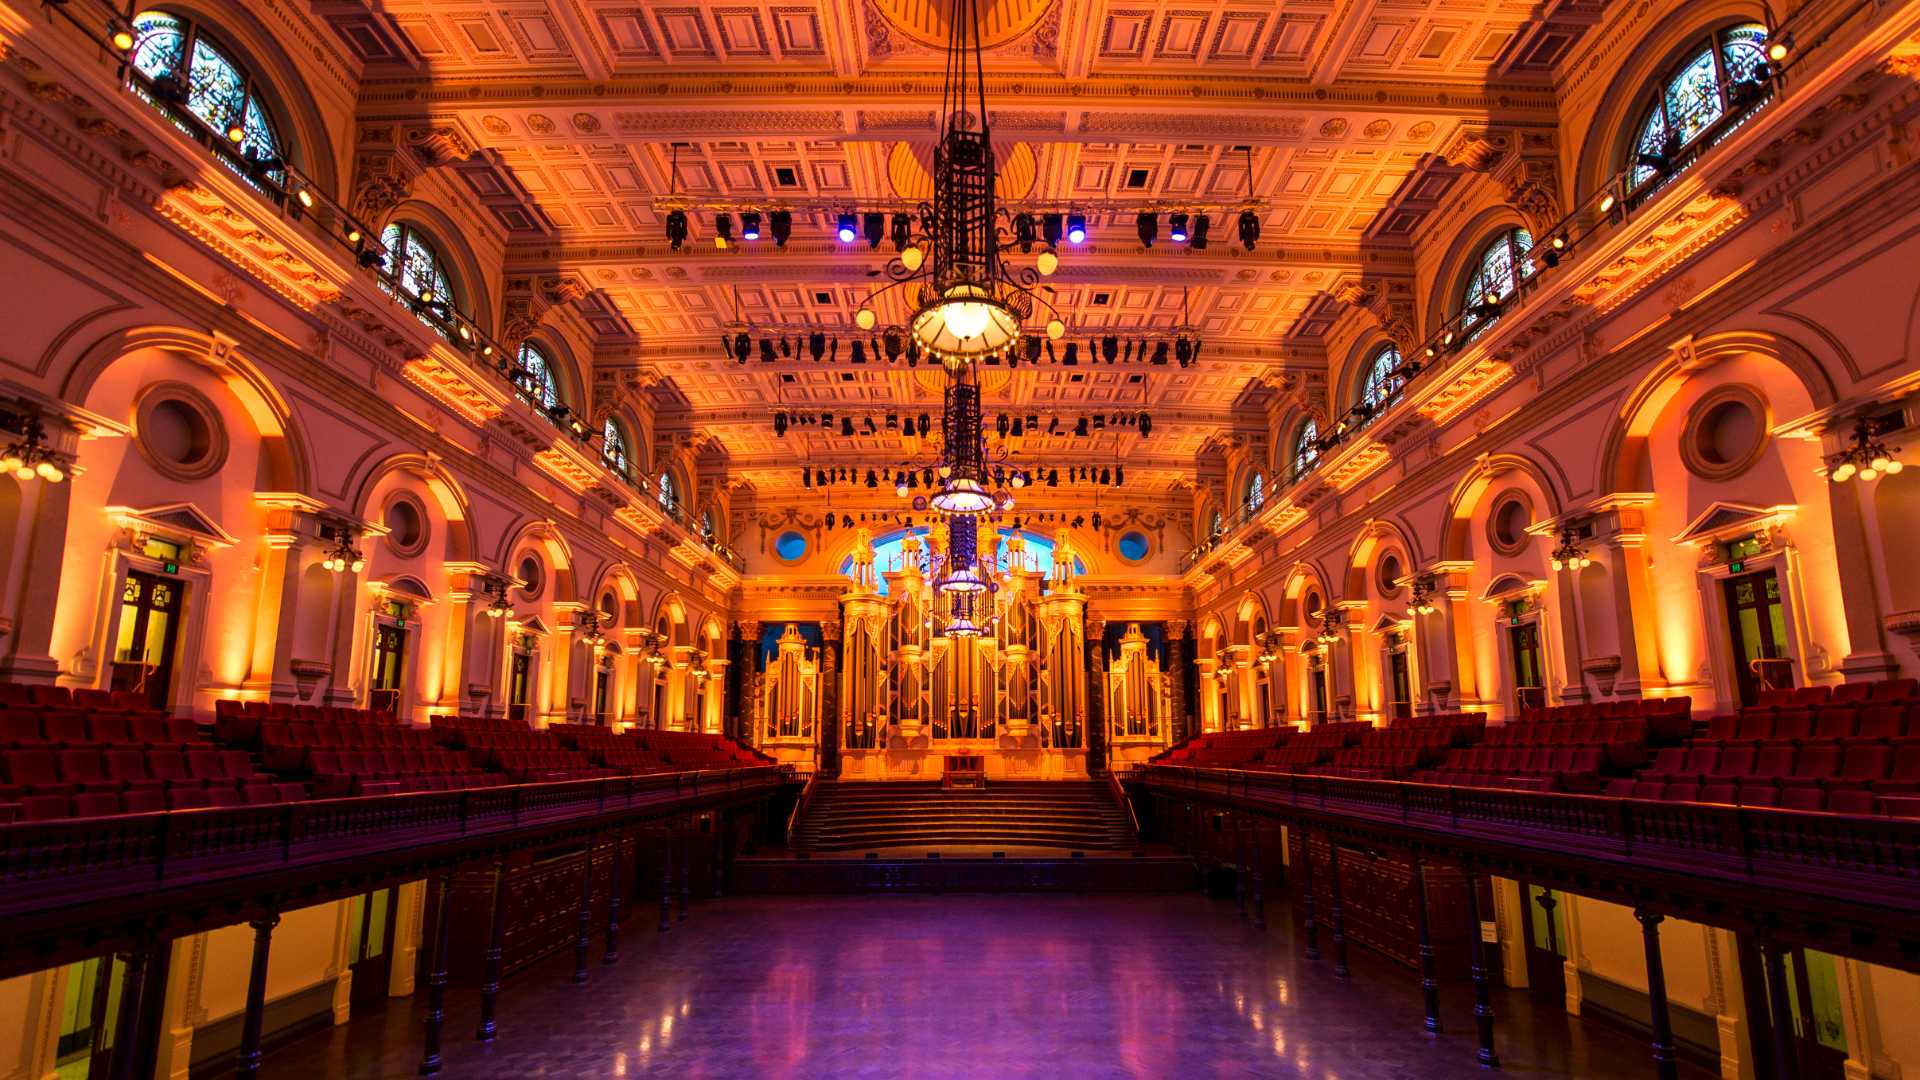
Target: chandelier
[(343, 555), (498, 606), (1865, 456), (968, 304), (1329, 634), (1420, 602), (1569, 555), (29, 455)]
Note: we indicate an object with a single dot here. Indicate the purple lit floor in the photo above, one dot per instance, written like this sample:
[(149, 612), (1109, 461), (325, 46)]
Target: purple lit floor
[(1054, 987)]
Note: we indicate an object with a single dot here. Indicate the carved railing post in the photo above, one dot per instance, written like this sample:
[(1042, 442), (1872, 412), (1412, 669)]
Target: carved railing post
[(1664, 1065), (1429, 981), (254, 1018), (1477, 959), (430, 1063), (496, 937), (615, 866)]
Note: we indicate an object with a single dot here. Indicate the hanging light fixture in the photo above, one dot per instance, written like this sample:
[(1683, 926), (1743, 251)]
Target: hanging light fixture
[(587, 625), (29, 456), (1865, 455), (1329, 632), (343, 555), (1569, 555), (1420, 602), (498, 606)]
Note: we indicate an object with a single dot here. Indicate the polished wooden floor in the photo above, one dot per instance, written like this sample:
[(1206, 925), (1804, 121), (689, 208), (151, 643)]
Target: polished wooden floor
[(1044, 986)]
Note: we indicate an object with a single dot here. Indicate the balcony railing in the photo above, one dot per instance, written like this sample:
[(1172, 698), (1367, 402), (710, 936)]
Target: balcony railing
[(296, 198), (1616, 202)]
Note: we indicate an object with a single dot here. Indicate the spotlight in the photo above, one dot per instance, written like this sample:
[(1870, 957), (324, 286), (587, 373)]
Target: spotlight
[(1076, 228), (1050, 229), (875, 227), (1249, 229), (1778, 49), (722, 230), (1148, 226), (1177, 228), (122, 35), (1200, 232), (676, 229), (236, 134), (902, 232), (750, 225), (847, 230), (781, 224), (1607, 203), (1023, 231)]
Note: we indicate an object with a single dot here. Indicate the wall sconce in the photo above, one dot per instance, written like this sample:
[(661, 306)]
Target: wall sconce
[(1569, 555), (1269, 647), (1329, 634), (698, 662), (650, 642), (587, 624), (343, 555), (29, 455), (1865, 456)]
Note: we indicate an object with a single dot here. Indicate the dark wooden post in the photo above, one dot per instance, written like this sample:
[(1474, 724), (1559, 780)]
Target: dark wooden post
[(721, 841), (253, 1021), (1429, 981), (616, 865), (1482, 1006), (583, 917), (666, 878), (1339, 910), (1239, 863), (437, 978), (496, 942), (127, 1051), (1773, 960), (1259, 891), (686, 872), (1306, 888), (1664, 1065)]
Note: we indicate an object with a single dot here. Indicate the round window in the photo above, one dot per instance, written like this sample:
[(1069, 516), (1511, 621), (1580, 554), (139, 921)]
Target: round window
[(790, 546), (533, 576), (1388, 575), (1507, 525), (609, 604), (1134, 546), (1725, 433), (178, 431), (406, 526)]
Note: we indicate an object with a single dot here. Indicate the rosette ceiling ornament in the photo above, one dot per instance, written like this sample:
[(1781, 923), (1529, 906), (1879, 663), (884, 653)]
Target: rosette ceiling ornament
[(968, 302)]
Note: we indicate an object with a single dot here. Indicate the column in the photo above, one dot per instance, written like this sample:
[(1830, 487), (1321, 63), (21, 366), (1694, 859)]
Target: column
[(666, 878), (29, 645), (1353, 657), (1429, 980), (557, 706), (289, 540), (343, 683), (128, 1050), (496, 938), (1664, 1064), (686, 872), (1477, 954), (1456, 616), (1339, 909), (1786, 1064), (1306, 891), (1636, 623), (1867, 657), (254, 1019), (1259, 881), (437, 978), (1573, 680), (463, 589)]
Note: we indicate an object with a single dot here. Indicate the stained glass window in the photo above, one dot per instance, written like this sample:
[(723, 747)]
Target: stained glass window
[(415, 266), (669, 498), (539, 383), (1501, 267), (613, 448), (1216, 524), (1378, 384), (1256, 493), (1306, 447), (217, 88), (1696, 94)]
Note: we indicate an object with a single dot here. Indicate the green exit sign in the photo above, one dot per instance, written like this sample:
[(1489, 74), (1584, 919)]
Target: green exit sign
[(171, 568), (1736, 567)]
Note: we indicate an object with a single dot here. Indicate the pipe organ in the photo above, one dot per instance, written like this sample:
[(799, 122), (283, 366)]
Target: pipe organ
[(788, 704), (1015, 692)]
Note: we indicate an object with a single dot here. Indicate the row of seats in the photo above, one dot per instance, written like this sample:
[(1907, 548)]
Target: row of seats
[(1883, 722), (239, 722), (1667, 718), (1853, 693), (656, 751), (285, 747), (37, 726), (48, 696), (145, 801), (1838, 800), (339, 773), (1534, 768)]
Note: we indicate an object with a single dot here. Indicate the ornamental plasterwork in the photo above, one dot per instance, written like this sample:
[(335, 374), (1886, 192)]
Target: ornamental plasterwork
[(451, 388)]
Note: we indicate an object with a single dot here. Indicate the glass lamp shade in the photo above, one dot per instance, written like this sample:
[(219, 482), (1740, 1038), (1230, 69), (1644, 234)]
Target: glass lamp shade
[(965, 579), (963, 495), (966, 322)]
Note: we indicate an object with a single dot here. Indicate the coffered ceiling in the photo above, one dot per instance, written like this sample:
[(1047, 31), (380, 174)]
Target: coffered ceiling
[(584, 116)]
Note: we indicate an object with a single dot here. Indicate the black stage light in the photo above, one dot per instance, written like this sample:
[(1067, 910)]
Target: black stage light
[(780, 223), (750, 225), (1249, 229), (1076, 228), (676, 228), (1023, 233), (874, 226), (1177, 228), (902, 232), (1200, 224), (722, 229), (1148, 226), (1050, 229), (847, 229)]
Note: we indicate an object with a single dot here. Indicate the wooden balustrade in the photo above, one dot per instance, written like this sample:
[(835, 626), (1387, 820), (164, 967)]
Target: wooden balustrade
[(1843, 883)]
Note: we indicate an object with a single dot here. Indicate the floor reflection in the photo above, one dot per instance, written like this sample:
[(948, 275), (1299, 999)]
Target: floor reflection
[(967, 986)]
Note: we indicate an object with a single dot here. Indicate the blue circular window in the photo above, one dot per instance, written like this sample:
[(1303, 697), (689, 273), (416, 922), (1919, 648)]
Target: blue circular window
[(790, 545), (1133, 546)]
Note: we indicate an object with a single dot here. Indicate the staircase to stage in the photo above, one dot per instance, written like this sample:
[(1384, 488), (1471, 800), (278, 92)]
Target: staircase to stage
[(1057, 814)]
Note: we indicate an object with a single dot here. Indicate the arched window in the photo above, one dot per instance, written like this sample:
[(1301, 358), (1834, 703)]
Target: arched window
[(1500, 268), (1306, 447), (1377, 382), (538, 383), (613, 448), (1720, 73), (415, 266), (181, 58), (669, 498), (706, 524), (1215, 524), (1256, 493)]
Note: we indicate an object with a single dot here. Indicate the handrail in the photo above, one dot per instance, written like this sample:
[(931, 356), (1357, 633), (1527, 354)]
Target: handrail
[(44, 864), (1119, 792), (1871, 860), (800, 805)]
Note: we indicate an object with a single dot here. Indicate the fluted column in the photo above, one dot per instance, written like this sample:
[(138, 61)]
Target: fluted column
[(1664, 1064), (1477, 959), (430, 1062), (42, 541), (496, 939), (253, 1019)]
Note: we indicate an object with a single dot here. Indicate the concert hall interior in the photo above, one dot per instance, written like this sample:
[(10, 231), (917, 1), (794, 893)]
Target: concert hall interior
[(937, 538)]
